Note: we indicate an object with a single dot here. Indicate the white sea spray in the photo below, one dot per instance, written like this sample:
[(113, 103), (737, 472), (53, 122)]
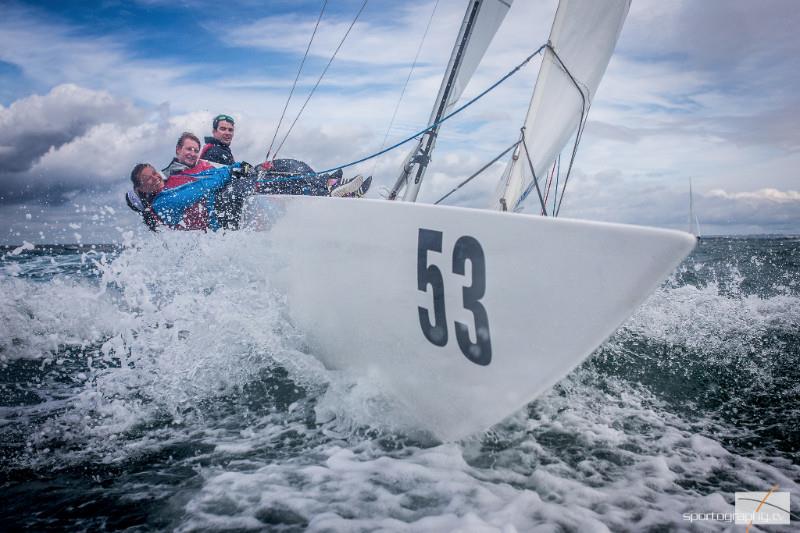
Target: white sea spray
[(171, 376)]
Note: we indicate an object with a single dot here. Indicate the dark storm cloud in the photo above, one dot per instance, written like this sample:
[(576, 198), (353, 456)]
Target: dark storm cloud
[(60, 142), (32, 126)]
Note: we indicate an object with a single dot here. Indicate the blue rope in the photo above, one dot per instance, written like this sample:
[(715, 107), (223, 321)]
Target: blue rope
[(421, 132)]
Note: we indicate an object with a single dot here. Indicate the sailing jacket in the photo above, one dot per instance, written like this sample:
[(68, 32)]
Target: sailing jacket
[(195, 216), (190, 205), (175, 168), (215, 151)]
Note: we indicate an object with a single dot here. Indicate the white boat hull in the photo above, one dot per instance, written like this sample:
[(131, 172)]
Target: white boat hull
[(541, 293)]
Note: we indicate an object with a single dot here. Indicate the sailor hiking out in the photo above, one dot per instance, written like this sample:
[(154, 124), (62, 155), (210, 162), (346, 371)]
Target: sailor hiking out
[(191, 202)]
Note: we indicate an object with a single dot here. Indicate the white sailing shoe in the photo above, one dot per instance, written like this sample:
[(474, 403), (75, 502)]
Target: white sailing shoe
[(348, 187)]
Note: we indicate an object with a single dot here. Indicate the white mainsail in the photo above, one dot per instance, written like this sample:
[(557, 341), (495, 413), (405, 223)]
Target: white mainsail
[(481, 21), (489, 14), (584, 35)]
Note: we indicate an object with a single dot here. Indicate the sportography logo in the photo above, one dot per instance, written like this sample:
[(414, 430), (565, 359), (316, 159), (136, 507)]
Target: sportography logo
[(762, 507)]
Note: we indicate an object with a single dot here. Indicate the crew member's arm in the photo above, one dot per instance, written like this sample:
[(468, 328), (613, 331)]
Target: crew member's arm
[(171, 204)]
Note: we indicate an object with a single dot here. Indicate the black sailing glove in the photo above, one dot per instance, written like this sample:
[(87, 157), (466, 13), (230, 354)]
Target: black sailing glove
[(244, 169)]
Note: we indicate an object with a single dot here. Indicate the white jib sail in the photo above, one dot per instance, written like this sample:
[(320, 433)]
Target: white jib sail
[(584, 35), (481, 21)]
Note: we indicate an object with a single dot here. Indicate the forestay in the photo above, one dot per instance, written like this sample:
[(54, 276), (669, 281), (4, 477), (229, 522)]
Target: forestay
[(584, 35)]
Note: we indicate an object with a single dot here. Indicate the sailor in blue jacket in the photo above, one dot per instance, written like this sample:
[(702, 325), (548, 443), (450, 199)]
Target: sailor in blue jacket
[(162, 204), (192, 206)]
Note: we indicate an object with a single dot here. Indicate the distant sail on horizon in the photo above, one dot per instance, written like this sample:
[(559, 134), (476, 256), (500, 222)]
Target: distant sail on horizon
[(694, 223)]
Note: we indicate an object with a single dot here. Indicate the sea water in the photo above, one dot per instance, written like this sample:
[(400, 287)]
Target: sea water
[(162, 386)]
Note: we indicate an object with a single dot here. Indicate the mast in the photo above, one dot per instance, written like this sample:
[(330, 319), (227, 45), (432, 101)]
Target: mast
[(481, 21)]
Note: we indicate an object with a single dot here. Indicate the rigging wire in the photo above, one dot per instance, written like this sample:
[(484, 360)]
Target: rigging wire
[(299, 70), (585, 104), (549, 184), (535, 179), (581, 125), (583, 91), (558, 175), (325, 70), (405, 85), (484, 167), (429, 127), (444, 118), (572, 159)]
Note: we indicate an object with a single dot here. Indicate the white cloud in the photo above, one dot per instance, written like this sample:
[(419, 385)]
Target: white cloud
[(655, 203), (380, 38), (767, 195), (52, 52)]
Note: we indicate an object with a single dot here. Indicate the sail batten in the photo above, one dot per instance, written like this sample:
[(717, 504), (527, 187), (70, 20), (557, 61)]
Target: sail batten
[(582, 39)]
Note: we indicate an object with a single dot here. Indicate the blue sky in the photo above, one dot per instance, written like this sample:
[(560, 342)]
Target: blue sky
[(705, 90)]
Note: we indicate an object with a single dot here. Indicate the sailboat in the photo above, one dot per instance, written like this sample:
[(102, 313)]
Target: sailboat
[(694, 223), (467, 314)]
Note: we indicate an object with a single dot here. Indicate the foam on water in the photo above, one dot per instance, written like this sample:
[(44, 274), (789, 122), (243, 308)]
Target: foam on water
[(173, 323), (582, 459), (167, 383)]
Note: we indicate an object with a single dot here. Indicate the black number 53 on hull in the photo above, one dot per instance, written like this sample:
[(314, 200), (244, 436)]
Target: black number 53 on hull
[(461, 316), (466, 249)]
